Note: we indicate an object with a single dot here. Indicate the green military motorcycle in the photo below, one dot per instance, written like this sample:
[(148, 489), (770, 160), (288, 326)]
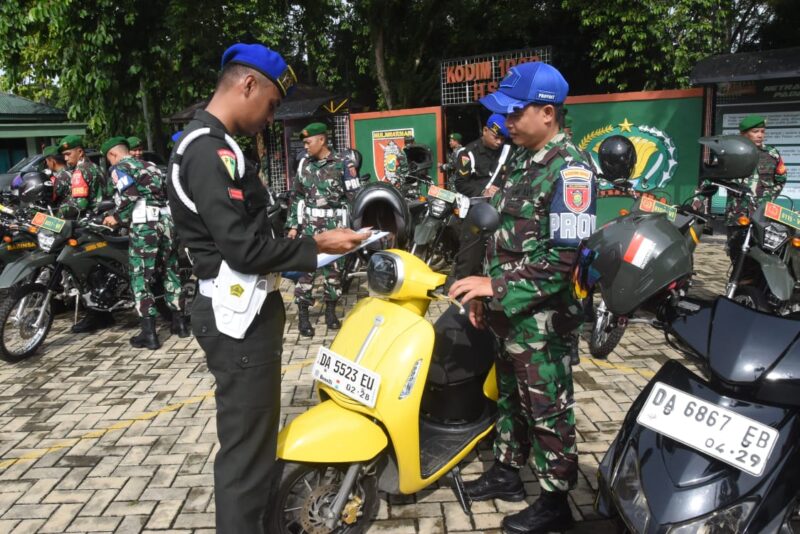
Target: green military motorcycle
[(89, 266)]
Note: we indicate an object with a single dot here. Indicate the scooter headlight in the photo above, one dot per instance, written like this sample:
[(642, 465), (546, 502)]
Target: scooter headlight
[(384, 273), (629, 493), (732, 519)]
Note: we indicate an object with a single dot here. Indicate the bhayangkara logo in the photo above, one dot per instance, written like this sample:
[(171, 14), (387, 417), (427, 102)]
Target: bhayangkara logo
[(656, 155)]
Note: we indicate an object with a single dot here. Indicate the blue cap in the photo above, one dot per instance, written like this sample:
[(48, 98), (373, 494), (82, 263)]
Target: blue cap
[(497, 124), (177, 135), (266, 61), (529, 83)]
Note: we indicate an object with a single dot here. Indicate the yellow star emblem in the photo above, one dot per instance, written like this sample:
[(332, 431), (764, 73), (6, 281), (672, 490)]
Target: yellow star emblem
[(625, 126)]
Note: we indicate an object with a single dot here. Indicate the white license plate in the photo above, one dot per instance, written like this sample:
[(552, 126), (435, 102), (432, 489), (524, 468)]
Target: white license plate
[(346, 377), (716, 431)]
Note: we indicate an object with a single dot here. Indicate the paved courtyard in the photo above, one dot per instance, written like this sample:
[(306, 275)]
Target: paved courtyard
[(98, 437)]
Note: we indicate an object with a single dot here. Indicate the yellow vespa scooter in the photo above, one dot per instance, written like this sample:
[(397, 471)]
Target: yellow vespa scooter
[(402, 402)]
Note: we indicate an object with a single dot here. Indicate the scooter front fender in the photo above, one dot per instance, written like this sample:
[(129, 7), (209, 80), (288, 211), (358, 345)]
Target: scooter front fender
[(776, 273), (425, 233), (329, 433)]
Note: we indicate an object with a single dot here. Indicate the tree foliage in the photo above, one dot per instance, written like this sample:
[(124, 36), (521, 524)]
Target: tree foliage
[(104, 61)]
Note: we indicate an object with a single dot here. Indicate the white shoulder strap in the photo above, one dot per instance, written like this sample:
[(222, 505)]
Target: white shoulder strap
[(500, 163), (176, 168)]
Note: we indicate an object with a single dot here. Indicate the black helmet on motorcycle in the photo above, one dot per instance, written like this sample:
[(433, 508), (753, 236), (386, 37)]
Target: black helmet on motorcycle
[(732, 157), (382, 207), (632, 259), (34, 187), (617, 158)]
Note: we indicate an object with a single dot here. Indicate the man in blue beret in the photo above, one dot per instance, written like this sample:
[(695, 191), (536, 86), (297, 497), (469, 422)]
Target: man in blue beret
[(547, 205), (219, 208)]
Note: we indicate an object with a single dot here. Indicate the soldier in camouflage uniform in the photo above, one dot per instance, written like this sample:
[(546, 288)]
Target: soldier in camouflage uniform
[(60, 175), (319, 202), (86, 183), (454, 142), (547, 205), (141, 205), (766, 182)]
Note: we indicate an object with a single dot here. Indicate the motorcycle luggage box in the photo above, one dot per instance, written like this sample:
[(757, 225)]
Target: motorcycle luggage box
[(462, 357)]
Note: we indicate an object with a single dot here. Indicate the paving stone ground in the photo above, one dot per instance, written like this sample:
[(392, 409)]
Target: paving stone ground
[(98, 437)]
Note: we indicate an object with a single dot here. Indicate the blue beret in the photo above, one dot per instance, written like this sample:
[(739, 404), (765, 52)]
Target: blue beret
[(497, 124), (266, 61)]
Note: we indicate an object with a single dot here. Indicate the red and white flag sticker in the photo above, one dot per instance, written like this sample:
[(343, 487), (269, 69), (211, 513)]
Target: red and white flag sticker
[(640, 250)]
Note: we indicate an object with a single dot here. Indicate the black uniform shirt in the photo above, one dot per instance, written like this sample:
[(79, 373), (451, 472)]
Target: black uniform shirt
[(471, 178), (231, 222)]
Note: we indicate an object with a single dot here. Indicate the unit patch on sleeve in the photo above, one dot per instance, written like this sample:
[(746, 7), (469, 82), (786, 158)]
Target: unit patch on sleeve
[(228, 160)]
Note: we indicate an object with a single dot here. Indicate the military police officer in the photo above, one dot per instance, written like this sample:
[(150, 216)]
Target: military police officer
[(480, 160), (60, 175), (141, 199), (86, 181), (546, 206), (319, 203), (479, 173), (219, 207)]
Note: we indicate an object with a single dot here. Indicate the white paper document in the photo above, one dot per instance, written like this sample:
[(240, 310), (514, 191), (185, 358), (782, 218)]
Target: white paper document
[(325, 259)]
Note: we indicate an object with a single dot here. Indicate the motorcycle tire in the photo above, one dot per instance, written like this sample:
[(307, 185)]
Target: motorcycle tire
[(305, 487), (604, 339), (753, 298), (15, 307)]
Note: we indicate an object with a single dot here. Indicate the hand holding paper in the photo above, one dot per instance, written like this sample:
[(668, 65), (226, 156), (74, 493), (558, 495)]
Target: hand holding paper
[(369, 237)]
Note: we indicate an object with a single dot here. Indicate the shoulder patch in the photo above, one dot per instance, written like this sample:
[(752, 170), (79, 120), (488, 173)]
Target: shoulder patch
[(228, 160), (577, 188), (465, 160), (122, 180), (781, 168)]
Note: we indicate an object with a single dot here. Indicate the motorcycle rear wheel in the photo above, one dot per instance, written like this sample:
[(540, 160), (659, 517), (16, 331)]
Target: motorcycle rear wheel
[(306, 489), (18, 311), (605, 337)]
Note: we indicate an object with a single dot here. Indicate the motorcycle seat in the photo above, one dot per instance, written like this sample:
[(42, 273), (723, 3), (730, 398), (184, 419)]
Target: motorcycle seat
[(117, 239)]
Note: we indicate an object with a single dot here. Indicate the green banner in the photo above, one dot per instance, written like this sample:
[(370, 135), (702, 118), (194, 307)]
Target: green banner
[(380, 138), (664, 126)]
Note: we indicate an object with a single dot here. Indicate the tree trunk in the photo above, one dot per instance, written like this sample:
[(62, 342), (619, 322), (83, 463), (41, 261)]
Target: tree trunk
[(380, 65)]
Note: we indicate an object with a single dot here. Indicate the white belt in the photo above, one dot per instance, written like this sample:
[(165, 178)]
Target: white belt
[(320, 212), (206, 286)]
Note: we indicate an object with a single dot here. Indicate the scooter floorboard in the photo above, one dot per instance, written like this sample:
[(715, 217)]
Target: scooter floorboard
[(438, 441)]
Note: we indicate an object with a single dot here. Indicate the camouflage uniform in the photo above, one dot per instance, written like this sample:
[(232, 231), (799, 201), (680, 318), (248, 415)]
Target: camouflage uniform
[(152, 243), (61, 186), (86, 188), (765, 183), (546, 206), (319, 203)]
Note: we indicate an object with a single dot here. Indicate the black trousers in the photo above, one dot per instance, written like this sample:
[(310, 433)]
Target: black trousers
[(248, 394)]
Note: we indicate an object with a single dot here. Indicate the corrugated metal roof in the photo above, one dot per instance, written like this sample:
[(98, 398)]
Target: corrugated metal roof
[(748, 66), (13, 107)]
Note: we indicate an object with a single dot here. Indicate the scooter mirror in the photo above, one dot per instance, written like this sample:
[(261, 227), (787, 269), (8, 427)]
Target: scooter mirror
[(483, 219)]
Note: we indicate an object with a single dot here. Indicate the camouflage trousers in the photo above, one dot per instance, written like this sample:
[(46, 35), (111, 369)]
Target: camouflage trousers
[(535, 408), (153, 256), (331, 273)]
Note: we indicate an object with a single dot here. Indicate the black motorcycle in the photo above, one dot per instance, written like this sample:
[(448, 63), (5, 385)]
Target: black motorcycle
[(436, 236)]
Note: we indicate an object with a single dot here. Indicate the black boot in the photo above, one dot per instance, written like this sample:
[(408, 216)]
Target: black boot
[(330, 316), (148, 337), (499, 482), (550, 512), (304, 323), (180, 325), (93, 320)]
